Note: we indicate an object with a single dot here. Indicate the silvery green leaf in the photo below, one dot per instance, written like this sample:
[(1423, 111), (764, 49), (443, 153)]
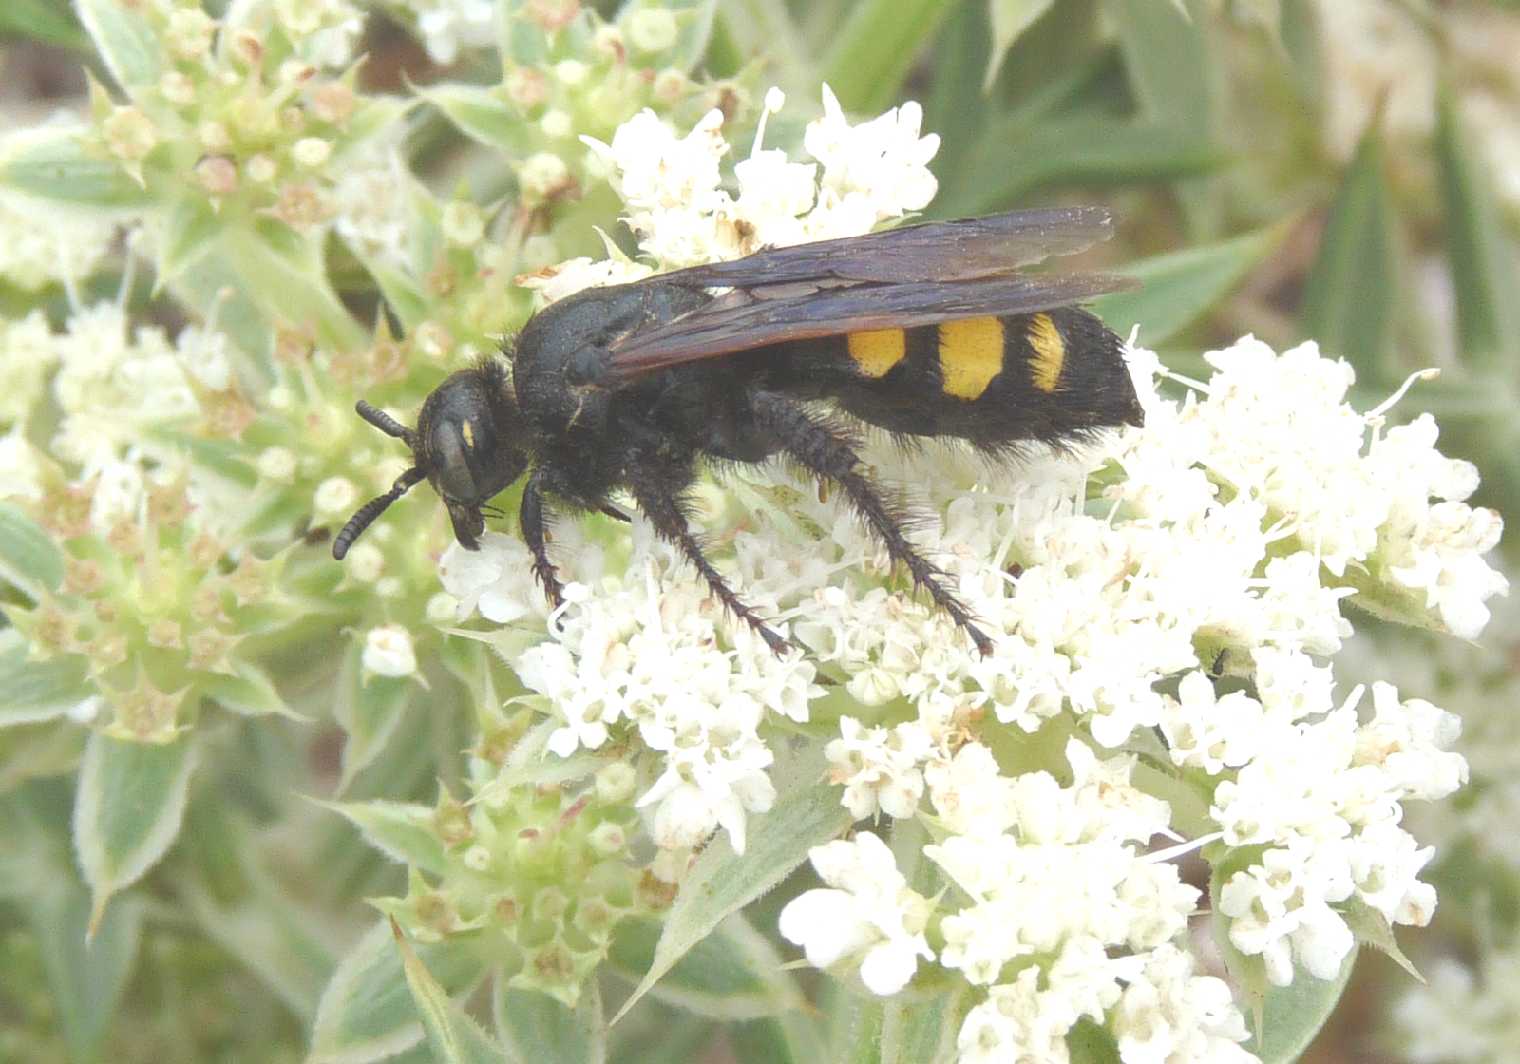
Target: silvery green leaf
[(87, 968), (871, 53), (722, 882), (735, 973), (29, 559), (1482, 253), (402, 831), (453, 1036), (126, 42), (919, 1031), (249, 691), (369, 712), (35, 691), (1351, 296), (128, 809), (1009, 19), (1178, 287), (367, 1013), (484, 115), (536, 1027), (1292, 1015)]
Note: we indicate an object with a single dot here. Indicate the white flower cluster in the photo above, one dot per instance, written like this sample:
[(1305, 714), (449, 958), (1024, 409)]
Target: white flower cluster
[(641, 650), (683, 215), (1174, 591), (112, 383), (44, 245)]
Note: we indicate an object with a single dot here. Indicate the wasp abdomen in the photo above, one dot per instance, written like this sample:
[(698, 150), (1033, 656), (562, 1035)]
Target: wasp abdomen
[(1050, 376)]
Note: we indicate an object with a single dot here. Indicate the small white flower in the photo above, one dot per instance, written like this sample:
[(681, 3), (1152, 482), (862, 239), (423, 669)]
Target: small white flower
[(388, 651), (867, 915), (334, 497), (651, 29), (879, 767), (311, 152)]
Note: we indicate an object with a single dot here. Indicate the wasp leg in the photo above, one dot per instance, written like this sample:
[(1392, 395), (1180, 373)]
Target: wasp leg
[(658, 495), (827, 453), (534, 525)]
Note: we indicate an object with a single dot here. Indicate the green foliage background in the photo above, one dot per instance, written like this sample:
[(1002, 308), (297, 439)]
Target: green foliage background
[(1199, 122)]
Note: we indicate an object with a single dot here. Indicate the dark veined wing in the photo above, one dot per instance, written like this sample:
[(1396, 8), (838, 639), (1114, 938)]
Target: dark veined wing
[(959, 250), (754, 317)]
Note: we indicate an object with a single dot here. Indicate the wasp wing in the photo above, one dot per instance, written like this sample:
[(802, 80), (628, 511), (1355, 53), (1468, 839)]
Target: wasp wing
[(938, 251), (753, 317)]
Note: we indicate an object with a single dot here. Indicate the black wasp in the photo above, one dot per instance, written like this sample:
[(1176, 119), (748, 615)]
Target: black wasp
[(926, 330)]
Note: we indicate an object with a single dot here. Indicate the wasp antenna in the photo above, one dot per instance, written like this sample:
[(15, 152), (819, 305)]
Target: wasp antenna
[(386, 424), (367, 513)]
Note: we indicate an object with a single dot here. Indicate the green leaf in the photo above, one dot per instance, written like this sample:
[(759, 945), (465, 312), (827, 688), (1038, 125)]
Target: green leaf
[(735, 973), (369, 713), (1372, 928), (87, 966), (1011, 159), (125, 41), (248, 691), (453, 1036), (47, 21), (128, 809), (33, 753), (261, 925), (190, 229), (857, 1028), (1288, 1017), (1090, 1044), (1172, 73), (537, 1027), (789, 1039), (657, 1032), (284, 273), (1351, 294), (767, 27), (1177, 288), (402, 831), (919, 1031), (483, 114), (36, 691), (878, 44), (722, 882), (1009, 18), (1483, 272), (366, 1012), (1167, 59), (1292, 1015), (29, 559), (54, 164), (519, 40)]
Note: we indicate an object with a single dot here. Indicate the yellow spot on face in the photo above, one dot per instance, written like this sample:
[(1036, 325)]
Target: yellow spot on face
[(469, 434), (875, 351), (970, 355), (1049, 352)]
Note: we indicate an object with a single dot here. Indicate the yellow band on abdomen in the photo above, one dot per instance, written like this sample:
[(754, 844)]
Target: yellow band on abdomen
[(875, 351), (1049, 352), (970, 355)]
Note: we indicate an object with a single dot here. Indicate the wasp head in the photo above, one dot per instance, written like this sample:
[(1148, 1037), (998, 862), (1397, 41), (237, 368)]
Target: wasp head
[(467, 444)]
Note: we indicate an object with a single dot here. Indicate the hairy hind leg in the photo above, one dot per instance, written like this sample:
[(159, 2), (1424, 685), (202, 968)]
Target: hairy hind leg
[(657, 488), (825, 452)]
